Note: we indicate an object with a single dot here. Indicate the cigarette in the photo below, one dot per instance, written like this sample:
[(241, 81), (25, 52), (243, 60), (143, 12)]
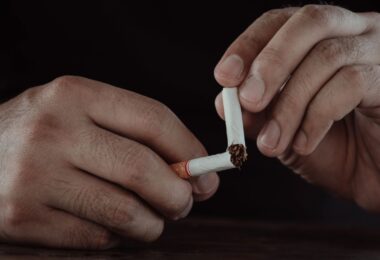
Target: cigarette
[(233, 117), (236, 153)]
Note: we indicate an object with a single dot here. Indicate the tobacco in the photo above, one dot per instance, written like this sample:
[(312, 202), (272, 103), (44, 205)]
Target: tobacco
[(238, 154)]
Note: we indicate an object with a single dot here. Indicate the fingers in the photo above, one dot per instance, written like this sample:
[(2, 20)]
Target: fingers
[(350, 87), (288, 47), (132, 166), (234, 65), (253, 122), (315, 70), (201, 186), (143, 120), (118, 210), (54, 228), (67, 231)]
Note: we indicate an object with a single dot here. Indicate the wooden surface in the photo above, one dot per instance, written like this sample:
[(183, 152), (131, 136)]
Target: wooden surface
[(232, 239)]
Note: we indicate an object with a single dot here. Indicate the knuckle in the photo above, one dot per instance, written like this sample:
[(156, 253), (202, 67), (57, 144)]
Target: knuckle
[(158, 119), (83, 200), (108, 210), (268, 59), (319, 14), (355, 75), (288, 104), (61, 89), (330, 51), (102, 146), (316, 113), (139, 161), (37, 121), (272, 14), (304, 88), (280, 14), (87, 237), (249, 41), (66, 81), (341, 50), (128, 161), (61, 85), (122, 214)]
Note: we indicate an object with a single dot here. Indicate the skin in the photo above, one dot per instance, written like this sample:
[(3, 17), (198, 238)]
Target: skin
[(86, 165), (309, 84)]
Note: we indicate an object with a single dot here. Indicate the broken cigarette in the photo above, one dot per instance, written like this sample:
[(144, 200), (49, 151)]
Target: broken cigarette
[(233, 117), (235, 155)]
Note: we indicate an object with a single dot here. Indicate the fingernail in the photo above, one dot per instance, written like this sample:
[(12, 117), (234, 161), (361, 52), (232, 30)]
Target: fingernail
[(232, 67), (270, 135), (300, 141), (205, 183), (252, 89)]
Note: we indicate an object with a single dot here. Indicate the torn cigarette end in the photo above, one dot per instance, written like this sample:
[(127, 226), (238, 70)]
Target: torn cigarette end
[(234, 157), (238, 154), (181, 169)]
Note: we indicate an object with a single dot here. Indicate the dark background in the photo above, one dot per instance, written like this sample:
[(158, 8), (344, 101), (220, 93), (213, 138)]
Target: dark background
[(166, 51)]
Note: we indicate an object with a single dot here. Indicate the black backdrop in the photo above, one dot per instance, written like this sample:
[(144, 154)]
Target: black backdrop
[(166, 51)]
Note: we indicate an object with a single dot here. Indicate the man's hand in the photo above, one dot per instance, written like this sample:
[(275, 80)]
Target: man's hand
[(83, 164), (310, 87)]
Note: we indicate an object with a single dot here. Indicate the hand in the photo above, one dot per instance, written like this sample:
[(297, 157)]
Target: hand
[(83, 164), (310, 89)]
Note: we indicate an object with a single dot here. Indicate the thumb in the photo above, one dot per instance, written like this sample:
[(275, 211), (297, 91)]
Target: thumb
[(236, 61)]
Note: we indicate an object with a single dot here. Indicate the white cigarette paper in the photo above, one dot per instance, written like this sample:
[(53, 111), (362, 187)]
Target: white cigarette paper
[(212, 163), (235, 136), (233, 116)]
